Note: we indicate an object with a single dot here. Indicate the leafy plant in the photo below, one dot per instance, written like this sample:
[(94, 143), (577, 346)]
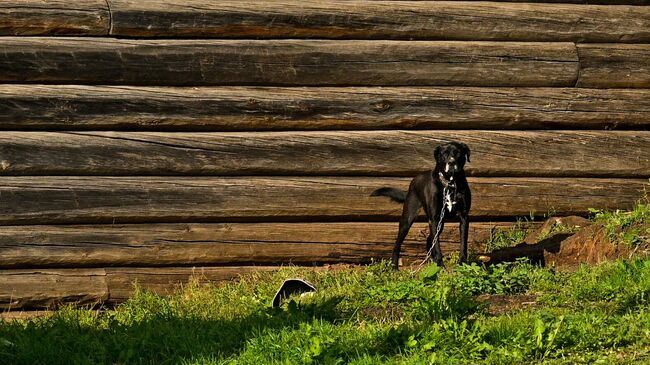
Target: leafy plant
[(504, 278)]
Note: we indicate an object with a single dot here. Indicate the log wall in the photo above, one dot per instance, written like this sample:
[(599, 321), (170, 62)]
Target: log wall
[(153, 141)]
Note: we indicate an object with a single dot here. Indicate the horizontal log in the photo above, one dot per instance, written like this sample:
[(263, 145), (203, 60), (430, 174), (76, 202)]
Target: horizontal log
[(54, 17), (364, 19), (614, 65), (122, 282), (353, 153), (50, 288), (285, 62), (44, 288), (72, 107), (115, 200), (21, 315), (151, 245), (602, 2)]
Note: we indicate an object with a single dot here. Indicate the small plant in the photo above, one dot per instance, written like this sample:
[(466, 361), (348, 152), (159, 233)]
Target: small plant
[(557, 228), (506, 237), (504, 278), (626, 227)]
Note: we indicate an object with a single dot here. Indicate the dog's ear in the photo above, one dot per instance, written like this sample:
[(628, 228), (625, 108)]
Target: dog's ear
[(466, 150), (437, 152)]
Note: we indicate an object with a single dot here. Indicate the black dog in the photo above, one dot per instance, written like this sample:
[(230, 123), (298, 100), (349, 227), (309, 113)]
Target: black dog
[(426, 190)]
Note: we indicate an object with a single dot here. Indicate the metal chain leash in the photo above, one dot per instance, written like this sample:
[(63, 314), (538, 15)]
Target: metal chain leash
[(436, 237)]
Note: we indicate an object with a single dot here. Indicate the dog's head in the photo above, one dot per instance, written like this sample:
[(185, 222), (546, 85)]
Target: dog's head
[(451, 157)]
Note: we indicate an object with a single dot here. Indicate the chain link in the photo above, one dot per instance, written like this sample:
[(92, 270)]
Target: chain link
[(436, 237)]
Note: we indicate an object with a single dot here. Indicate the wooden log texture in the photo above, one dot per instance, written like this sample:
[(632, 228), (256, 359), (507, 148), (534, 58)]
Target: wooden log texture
[(54, 17), (121, 282), (602, 2), (50, 288), (72, 107), (114, 200), (21, 315), (351, 153), (43, 288), (614, 65), (285, 62), (150, 245), (424, 20)]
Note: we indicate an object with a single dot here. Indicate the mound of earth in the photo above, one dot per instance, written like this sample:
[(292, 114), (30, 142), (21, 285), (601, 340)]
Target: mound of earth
[(567, 242), (591, 245)]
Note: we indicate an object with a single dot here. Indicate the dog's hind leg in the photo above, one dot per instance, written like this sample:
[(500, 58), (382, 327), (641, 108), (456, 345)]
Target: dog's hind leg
[(464, 228), (409, 213)]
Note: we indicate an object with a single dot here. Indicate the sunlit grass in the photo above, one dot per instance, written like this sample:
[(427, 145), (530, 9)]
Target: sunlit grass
[(361, 316)]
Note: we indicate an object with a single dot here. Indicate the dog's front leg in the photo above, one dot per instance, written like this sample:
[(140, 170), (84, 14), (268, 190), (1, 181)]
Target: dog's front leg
[(433, 229), (464, 230)]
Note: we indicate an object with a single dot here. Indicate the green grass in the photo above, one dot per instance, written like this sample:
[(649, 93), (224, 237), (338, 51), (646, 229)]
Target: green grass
[(630, 228), (626, 227), (369, 315), (506, 237)]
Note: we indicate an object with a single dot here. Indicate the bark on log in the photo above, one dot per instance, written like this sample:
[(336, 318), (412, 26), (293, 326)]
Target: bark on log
[(54, 17), (285, 62), (604, 2), (114, 200), (72, 107), (45, 288), (380, 20), (50, 288), (122, 282), (149, 245), (350, 153), (614, 65)]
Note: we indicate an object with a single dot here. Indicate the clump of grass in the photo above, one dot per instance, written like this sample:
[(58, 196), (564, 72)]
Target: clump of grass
[(506, 237), (626, 227), (595, 314), (557, 228)]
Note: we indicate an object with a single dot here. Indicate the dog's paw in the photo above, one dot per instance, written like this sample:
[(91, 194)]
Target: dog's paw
[(395, 263)]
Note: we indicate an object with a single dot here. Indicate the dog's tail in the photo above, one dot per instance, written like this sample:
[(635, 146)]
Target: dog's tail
[(395, 195)]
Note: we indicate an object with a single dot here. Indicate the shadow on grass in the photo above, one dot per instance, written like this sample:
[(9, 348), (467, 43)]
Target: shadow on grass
[(158, 339)]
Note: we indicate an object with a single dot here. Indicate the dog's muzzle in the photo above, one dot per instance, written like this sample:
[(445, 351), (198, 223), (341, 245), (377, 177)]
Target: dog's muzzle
[(451, 168)]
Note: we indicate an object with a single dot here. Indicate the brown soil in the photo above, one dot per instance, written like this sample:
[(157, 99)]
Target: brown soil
[(584, 242), (591, 245)]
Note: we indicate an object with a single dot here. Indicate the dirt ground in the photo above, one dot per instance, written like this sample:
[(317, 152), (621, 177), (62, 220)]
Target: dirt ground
[(580, 242)]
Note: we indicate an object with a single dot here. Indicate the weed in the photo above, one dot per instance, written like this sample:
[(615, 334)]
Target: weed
[(506, 237), (626, 227), (557, 228)]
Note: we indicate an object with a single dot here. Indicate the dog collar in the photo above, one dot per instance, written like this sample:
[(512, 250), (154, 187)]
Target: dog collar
[(446, 183)]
